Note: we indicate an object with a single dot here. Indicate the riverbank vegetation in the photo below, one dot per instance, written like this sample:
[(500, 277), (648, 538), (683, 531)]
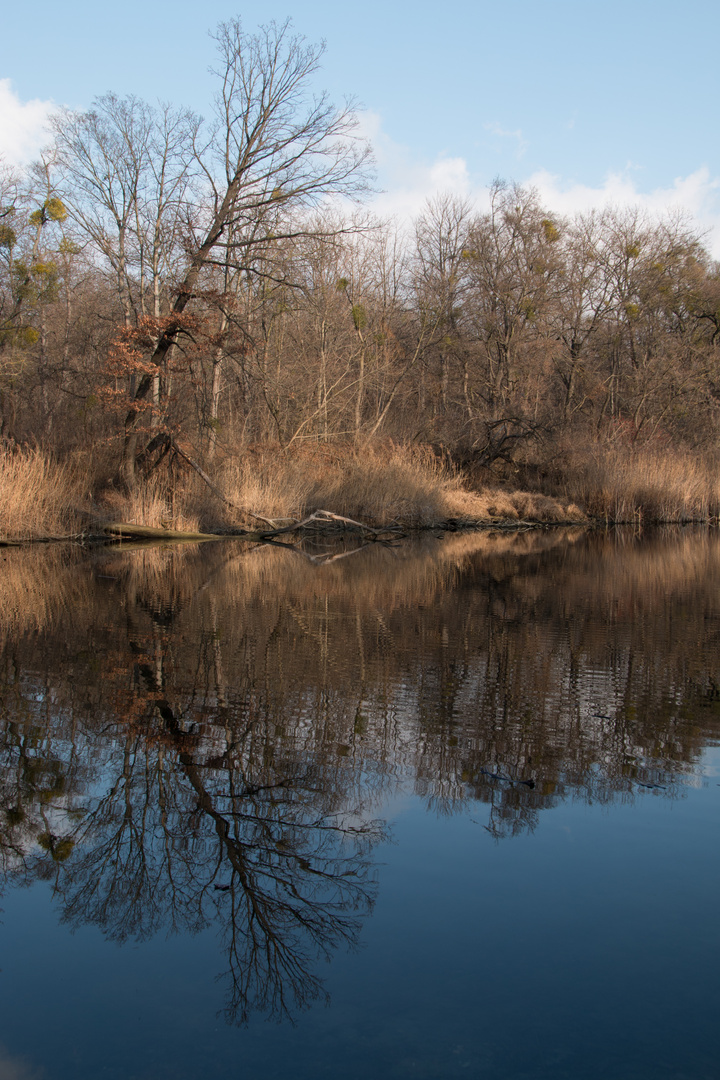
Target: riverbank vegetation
[(385, 484), (200, 324)]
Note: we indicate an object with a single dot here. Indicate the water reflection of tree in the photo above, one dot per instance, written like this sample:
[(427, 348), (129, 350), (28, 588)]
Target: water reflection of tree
[(184, 843), (180, 843), (188, 831), (203, 740)]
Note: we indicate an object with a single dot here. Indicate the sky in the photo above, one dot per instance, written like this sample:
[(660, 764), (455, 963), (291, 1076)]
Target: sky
[(589, 102)]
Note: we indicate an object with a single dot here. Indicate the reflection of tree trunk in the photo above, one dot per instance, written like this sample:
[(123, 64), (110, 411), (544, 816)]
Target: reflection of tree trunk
[(361, 647), (220, 688)]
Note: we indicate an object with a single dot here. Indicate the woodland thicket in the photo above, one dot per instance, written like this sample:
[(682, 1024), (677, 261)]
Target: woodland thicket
[(217, 287)]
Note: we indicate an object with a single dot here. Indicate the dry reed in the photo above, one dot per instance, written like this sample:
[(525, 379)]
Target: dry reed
[(625, 484), (156, 502), (39, 497), (381, 484)]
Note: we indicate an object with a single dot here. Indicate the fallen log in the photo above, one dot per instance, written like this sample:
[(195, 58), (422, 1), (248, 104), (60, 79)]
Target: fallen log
[(122, 528), (320, 518)]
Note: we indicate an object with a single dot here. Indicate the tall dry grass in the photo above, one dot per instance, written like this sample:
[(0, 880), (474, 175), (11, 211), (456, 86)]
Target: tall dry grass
[(158, 502), (380, 484), (40, 497), (627, 484)]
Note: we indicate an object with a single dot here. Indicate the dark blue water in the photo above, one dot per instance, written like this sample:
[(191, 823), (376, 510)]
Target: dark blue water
[(444, 811)]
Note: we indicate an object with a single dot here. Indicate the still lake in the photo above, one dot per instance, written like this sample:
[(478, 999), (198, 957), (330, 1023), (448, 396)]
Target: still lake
[(443, 809)]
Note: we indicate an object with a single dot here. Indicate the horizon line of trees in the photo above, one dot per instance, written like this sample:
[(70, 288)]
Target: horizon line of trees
[(161, 277)]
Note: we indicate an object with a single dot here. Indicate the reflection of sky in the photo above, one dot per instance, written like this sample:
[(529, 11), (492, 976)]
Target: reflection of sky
[(563, 953)]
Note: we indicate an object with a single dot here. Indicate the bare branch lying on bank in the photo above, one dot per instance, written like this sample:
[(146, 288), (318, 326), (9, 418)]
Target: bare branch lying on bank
[(324, 519), (122, 528)]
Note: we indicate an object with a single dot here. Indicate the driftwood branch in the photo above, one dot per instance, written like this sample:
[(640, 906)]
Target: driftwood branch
[(165, 443), (319, 517), (121, 528), (326, 517)]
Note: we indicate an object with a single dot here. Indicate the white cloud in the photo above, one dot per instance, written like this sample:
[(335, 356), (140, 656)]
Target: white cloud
[(698, 195), (22, 125), (408, 190), (409, 183)]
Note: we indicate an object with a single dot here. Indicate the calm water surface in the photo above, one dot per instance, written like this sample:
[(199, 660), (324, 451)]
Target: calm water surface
[(448, 809)]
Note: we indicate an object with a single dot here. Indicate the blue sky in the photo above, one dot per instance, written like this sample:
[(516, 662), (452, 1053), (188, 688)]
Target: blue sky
[(588, 101)]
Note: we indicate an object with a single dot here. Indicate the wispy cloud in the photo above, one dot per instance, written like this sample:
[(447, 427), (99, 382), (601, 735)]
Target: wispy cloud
[(22, 125), (521, 144)]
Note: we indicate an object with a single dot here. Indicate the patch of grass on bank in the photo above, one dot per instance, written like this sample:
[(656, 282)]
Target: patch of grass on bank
[(157, 502), (39, 497), (380, 485), (625, 484)]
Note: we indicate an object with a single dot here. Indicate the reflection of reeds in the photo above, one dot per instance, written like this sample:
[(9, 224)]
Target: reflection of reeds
[(608, 573), (38, 585), (402, 575), (621, 569)]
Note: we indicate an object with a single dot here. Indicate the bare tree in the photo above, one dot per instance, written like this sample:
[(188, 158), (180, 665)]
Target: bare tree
[(441, 242), (103, 155), (276, 150)]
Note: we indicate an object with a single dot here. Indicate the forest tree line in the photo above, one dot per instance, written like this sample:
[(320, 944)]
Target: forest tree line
[(220, 283)]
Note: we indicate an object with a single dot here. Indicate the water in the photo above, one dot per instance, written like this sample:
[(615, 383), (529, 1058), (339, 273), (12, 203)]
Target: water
[(447, 809)]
